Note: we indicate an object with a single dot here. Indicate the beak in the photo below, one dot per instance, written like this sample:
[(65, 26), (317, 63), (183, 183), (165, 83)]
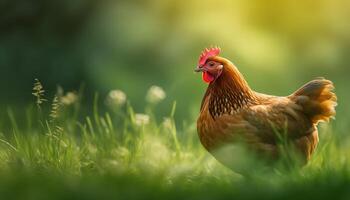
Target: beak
[(198, 69)]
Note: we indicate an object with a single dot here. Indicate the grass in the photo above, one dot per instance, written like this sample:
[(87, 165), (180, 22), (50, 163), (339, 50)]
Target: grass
[(48, 152)]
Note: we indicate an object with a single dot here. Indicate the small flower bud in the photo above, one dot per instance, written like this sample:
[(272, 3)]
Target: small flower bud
[(141, 119), (116, 98), (155, 94)]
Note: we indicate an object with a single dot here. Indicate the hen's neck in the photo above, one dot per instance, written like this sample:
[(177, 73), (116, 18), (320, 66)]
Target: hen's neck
[(229, 93)]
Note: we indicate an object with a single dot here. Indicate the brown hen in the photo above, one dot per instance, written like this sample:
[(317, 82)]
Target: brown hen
[(232, 112)]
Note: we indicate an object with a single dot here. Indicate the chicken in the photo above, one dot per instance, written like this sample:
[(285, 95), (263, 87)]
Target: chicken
[(231, 113)]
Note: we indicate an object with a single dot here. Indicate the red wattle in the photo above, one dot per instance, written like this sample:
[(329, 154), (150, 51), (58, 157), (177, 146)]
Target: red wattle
[(207, 77)]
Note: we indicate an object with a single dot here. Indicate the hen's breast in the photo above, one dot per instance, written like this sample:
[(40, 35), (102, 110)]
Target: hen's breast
[(218, 130), (208, 130)]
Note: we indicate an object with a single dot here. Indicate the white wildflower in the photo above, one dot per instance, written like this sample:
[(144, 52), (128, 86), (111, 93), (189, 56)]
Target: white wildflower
[(69, 98), (167, 123), (155, 94), (116, 98), (141, 119)]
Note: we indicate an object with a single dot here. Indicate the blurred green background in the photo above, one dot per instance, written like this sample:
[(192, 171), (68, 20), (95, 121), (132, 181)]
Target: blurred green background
[(131, 45)]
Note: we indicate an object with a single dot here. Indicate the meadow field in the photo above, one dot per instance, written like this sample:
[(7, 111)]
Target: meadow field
[(99, 99)]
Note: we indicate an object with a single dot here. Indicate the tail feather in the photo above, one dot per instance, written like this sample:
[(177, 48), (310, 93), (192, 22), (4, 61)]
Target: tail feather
[(317, 99)]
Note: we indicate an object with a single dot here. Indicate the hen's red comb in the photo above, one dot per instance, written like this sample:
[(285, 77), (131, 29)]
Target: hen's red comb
[(206, 53)]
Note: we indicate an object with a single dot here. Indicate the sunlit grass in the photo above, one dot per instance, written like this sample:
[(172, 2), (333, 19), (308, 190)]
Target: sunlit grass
[(134, 154)]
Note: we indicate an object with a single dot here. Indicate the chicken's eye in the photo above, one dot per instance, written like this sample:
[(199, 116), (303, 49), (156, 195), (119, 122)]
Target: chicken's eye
[(211, 64)]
